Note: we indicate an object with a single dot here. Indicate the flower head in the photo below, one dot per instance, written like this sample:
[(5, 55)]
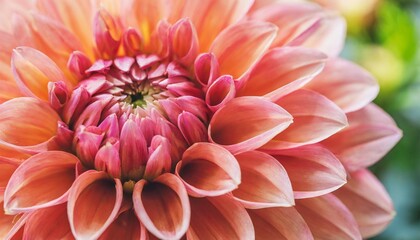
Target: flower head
[(204, 119)]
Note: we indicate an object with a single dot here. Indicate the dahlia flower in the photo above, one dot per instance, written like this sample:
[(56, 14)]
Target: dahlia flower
[(208, 119)]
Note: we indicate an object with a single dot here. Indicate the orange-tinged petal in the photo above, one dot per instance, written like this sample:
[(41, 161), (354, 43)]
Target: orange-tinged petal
[(7, 167), (205, 16), (279, 223), (41, 181), (9, 8), (313, 170), (163, 206), (16, 128), (219, 218), (264, 182), (125, 226), (33, 70), (183, 42), (49, 223), (368, 201), (370, 135), (281, 71), (346, 84), (328, 218), (315, 118), (240, 46), (11, 225), (246, 123), (97, 189), (207, 169), (220, 92)]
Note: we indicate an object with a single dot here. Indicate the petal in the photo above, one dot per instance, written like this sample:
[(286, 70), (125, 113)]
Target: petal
[(219, 218), (159, 158), (205, 15), (221, 91), (11, 225), (107, 34), (264, 182), (7, 167), (368, 201), (20, 124), (163, 206), (240, 46), (328, 218), (247, 123), (126, 226), (313, 170), (9, 90), (207, 169), (192, 128), (315, 118), (41, 181), (346, 84), (49, 223), (281, 71), (279, 223), (93, 204), (183, 41), (33, 70), (370, 135), (206, 68)]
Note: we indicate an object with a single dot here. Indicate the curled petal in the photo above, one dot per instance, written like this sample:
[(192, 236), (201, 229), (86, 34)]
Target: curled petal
[(219, 218), (41, 181), (313, 170), (58, 94), (370, 135), (108, 158), (192, 128), (33, 71), (246, 123), (368, 201), (97, 189), (279, 223), (206, 68), (346, 84), (315, 118), (159, 157), (264, 182), (328, 218), (51, 222), (125, 226), (208, 170), (86, 144), (183, 41), (107, 35), (163, 206), (221, 91), (240, 46), (76, 104), (283, 70), (78, 64), (132, 42)]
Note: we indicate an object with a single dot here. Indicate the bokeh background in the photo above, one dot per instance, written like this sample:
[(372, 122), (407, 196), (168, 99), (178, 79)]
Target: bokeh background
[(384, 38)]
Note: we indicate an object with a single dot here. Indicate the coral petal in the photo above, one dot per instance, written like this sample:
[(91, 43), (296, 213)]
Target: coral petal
[(240, 46), (95, 189), (206, 68), (183, 41), (264, 182), (163, 206), (42, 180), (346, 84), (262, 120), (368, 201), (279, 223), (221, 91), (313, 170), (219, 218), (126, 226), (208, 170), (192, 128), (328, 218)]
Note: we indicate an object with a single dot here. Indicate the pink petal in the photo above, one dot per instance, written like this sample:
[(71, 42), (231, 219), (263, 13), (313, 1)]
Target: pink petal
[(108, 158), (49, 223), (159, 158), (33, 71), (221, 91), (281, 71), (163, 206), (313, 170), (78, 64), (43, 180), (247, 123), (279, 223), (264, 182), (205, 15), (93, 204), (240, 46), (206, 68), (192, 128), (58, 95), (315, 118), (219, 218), (370, 135), (132, 41), (346, 84), (368, 201), (207, 169), (86, 144), (328, 218), (183, 41), (107, 35), (125, 226)]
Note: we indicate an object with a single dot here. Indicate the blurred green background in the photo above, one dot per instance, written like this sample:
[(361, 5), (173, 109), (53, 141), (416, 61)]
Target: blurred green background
[(384, 37)]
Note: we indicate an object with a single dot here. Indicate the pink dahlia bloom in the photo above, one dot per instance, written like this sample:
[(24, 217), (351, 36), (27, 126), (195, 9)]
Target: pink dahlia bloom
[(208, 119)]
